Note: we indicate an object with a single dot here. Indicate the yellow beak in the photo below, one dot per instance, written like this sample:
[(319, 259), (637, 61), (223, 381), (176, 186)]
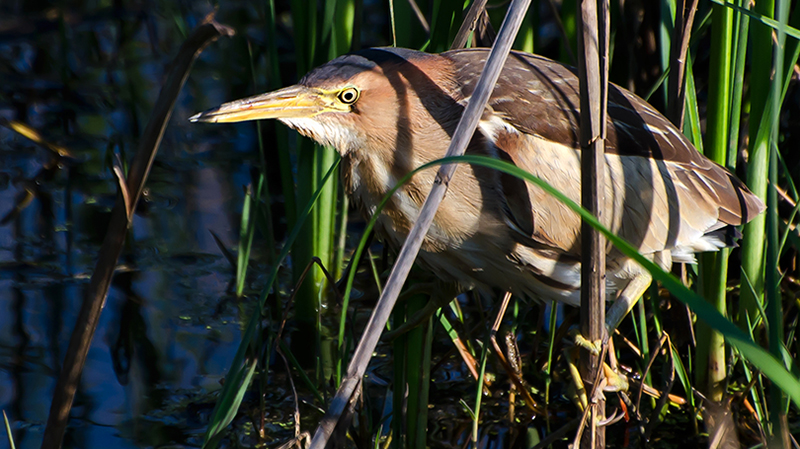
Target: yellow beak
[(290, 102)]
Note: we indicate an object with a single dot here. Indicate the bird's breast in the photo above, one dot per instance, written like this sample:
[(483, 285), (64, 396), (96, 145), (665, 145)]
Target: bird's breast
[(459, 217)]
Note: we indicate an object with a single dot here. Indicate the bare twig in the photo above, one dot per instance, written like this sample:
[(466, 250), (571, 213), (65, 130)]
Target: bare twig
[(684, 19), (484, 33), (653, 355), (420, 16), (469, 24)]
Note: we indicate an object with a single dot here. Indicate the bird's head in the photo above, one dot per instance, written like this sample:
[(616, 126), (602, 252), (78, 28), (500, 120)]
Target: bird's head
[(350, 102)]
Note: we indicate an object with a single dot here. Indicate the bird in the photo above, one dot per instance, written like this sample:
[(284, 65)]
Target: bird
[(388, 111)]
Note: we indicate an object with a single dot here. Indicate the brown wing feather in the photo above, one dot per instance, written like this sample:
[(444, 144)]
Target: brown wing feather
[(540, 97)]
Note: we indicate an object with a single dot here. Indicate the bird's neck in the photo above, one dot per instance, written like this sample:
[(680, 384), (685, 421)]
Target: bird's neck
[(365, 178)]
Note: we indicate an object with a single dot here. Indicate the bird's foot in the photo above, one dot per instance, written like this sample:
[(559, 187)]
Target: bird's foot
[(595, 347), (609, 381), (612, 381)]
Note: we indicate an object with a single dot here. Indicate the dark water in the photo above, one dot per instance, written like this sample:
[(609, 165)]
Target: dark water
[(86, 78)]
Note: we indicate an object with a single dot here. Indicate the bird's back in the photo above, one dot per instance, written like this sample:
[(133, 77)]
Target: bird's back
[(660, 192)]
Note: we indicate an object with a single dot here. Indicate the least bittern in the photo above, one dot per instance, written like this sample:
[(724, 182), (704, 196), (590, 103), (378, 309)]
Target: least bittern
[(390, 110)]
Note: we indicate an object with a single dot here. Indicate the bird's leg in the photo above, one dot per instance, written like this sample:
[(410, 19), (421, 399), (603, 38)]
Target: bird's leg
[(608, 380), (612, 381), (627, 299), (578, 395)]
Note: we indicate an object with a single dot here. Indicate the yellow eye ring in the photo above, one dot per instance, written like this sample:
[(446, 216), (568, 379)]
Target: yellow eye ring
[(348, 95)]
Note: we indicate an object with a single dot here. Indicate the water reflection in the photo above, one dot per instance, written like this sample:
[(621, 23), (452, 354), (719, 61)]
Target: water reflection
[(86, 79)]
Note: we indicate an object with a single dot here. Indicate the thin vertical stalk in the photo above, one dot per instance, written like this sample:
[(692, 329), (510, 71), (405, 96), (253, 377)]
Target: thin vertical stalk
[(741, 31), (665, 31), (425, 386), (399, 389), (319, 232), (339, 251), (714, 266), (777, 399), (413, 358), (304, 15), (691, 122), (281, 133), (684, 19), (353, 10), (247, 228), (640, 326), (325, 229), (753, 233), (593, 75), (479, 395), (550, 345), (341, 14), (417, 363)]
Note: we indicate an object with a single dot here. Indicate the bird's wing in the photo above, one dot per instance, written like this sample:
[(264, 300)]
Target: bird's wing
[(533, 115)]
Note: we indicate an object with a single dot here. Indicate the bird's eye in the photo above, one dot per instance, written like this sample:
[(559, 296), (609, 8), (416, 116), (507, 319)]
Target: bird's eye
[(348, 95)]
